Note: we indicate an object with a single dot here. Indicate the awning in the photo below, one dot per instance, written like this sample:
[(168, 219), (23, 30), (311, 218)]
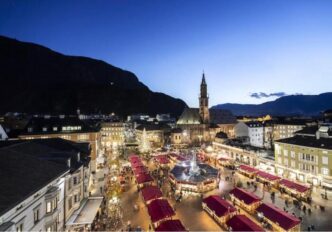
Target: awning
[(86, 214)]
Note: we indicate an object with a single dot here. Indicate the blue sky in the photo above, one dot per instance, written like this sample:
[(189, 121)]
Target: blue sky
[(244, 46)]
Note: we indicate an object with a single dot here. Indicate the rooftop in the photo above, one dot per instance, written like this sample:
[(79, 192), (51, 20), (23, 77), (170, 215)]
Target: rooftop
[(308, 141)]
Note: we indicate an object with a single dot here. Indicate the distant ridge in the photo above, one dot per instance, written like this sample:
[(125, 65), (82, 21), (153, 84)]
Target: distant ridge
[(308, 105), (35, 79)]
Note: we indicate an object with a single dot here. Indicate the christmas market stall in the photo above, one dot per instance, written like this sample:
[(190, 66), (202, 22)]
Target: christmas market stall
[(242, 223), (297, 190), (171, 225), (278, 219), (245, 199), (218, 208)]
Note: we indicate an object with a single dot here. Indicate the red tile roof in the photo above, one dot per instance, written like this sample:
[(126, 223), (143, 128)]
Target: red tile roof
[(278, 216), (159, 209), (150, 193), (243, 223), (220, 206), (248, 168), (143, 178), (268, 176), (171, 225), (248, 197), (293, 185)]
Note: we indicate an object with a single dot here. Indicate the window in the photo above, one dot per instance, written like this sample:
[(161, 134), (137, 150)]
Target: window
[(19, 228), (292, 154), (279, 160), (325, 171), (75, 180), (293, 164), (48, 207), (36, 216), (286, 153), (70, 203), (286, 162), (325, 160), (44, 129), (55, 128)]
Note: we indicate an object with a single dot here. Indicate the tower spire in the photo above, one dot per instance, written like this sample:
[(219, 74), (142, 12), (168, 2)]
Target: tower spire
[(203, 78), (204, 101)]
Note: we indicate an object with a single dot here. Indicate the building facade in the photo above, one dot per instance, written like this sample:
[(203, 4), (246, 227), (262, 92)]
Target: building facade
[(306, 159)]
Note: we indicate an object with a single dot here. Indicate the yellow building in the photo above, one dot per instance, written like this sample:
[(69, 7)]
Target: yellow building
[(305, 158)]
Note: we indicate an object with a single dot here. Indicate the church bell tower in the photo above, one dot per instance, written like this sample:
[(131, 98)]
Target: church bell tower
[(204, 102)]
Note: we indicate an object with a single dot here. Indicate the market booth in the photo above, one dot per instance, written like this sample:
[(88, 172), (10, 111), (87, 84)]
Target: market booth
[(248, 170), (295, 189), (150, 193), (245, 199), (242, 223), (218, 208), (143, 179), (160, 210), (268, 178), (278, 219), (225, 162), (171, 225), (162, 161)]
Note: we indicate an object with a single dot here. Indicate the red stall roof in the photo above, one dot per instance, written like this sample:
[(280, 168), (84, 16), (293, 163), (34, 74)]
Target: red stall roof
[(248, 197), (159, 209), (134, 157), (293, 185), (150, 193), (139, 170), (171, 225), (162, 159), (137, 164), (268, 176), (276, 215), (247, 168), (243, 223), (143, 178), (220, 206)]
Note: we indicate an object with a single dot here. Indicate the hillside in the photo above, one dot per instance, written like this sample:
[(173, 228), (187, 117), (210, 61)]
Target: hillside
[(288, 105), (35, 79)]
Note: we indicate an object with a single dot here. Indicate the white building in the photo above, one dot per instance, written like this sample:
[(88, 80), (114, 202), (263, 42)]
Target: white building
[(253, 131), (45, 185)]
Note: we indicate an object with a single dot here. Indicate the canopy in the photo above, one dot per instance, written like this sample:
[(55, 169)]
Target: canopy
[(243, 223), (276, 215), (171, 225), (248, 197), (160, 209), (150, 193), (86, 214), (293, 185), (220, 206)]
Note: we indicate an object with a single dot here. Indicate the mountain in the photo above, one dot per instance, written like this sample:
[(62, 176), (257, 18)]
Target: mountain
[(35, 79), (287, 105)]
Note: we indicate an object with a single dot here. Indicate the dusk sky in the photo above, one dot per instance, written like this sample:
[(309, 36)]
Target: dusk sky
[(244, 47)]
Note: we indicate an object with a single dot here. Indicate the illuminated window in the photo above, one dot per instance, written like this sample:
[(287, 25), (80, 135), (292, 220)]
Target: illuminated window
[(48, 207), (325, 171), (19, 228)]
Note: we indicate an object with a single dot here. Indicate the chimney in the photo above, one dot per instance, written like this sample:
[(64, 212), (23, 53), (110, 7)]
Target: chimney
[(317, 135)]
